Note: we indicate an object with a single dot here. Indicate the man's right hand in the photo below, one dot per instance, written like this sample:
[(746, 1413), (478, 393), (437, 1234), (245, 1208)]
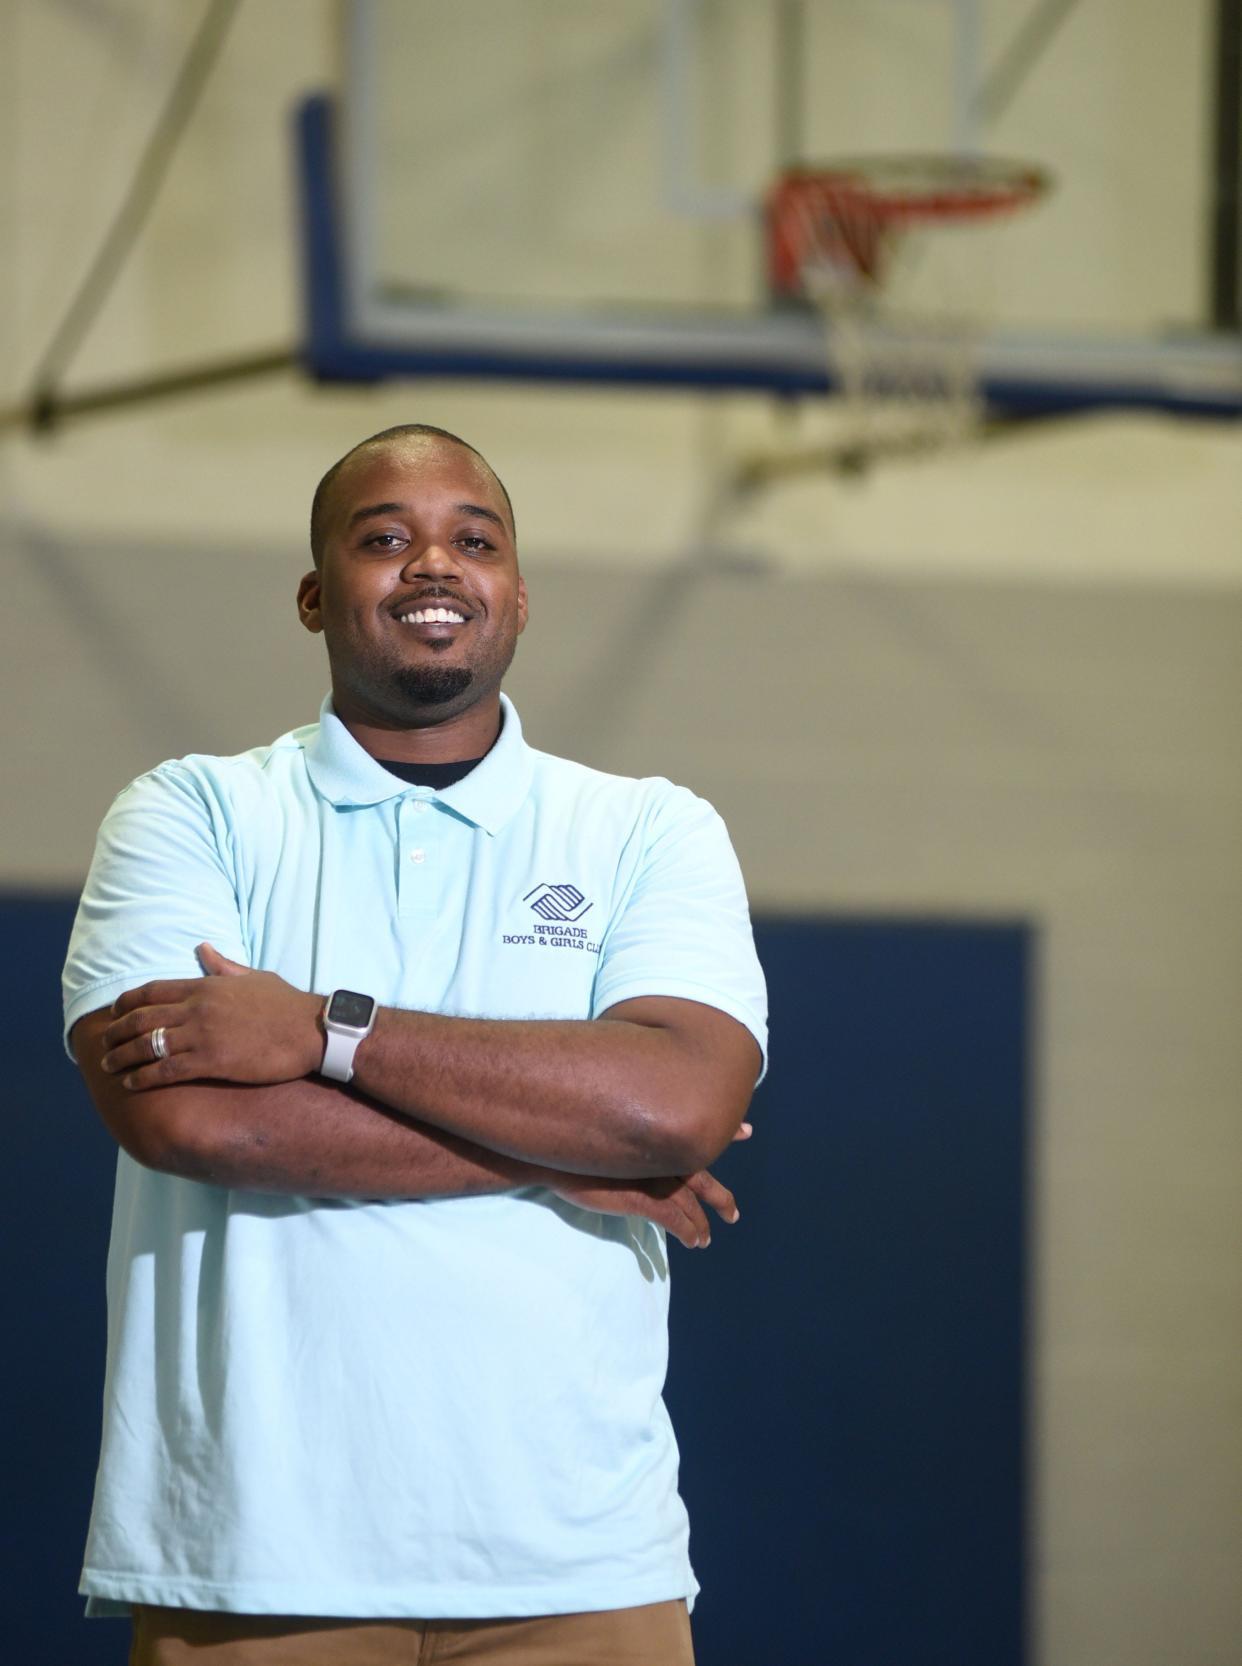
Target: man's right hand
[(676, 1205)]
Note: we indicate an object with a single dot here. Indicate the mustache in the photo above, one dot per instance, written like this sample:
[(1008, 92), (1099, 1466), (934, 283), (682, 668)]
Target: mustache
[(433, 593)]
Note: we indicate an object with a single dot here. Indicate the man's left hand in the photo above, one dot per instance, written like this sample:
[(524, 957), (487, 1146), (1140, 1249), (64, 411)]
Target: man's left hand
[(234, 1025)]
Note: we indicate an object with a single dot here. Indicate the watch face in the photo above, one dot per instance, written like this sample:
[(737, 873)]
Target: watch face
[(349, 1008)]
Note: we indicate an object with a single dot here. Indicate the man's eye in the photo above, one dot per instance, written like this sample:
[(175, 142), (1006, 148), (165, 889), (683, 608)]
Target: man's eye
[(384, 540), (473, 541)]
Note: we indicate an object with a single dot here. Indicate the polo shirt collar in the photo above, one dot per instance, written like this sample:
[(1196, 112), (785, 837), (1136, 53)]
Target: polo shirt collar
[(345, 773), (495, 789)]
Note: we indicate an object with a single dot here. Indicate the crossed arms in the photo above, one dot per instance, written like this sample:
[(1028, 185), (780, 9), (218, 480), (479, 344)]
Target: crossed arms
[(620, 1114)]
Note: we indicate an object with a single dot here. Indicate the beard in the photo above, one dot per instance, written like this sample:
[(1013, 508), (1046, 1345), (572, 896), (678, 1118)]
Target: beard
[(394, 693), (430, 685)]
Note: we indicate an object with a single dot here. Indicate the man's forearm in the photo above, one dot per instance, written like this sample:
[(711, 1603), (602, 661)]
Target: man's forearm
[(314, 1139), (310, 1137), (607, 1097)]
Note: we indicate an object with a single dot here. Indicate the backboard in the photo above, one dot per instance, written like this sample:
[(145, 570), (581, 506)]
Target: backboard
[(574, 189)]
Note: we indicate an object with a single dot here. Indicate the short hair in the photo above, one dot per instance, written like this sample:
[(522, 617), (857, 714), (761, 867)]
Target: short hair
[(402, 431)]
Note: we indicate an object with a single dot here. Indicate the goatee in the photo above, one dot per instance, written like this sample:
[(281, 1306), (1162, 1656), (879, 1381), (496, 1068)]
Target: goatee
[(432, 685)]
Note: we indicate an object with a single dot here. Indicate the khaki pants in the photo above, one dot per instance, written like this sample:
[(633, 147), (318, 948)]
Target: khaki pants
[(657, 1634)]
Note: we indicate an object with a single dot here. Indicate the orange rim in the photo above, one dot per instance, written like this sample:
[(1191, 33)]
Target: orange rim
[(849, 210)]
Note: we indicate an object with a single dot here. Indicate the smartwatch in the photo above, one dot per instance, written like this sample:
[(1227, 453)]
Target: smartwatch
[(348, 1018)]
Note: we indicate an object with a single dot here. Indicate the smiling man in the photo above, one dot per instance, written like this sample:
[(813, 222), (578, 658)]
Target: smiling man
[(416, 1043)]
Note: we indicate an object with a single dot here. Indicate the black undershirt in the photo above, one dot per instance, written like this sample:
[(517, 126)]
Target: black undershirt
[(430, 775)]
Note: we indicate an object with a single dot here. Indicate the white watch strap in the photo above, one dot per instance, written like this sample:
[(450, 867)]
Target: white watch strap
[(338, 1055)]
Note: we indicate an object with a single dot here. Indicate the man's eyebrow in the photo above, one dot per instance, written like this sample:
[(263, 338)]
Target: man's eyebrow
[(376, 509), (372, 509), (481, 509)]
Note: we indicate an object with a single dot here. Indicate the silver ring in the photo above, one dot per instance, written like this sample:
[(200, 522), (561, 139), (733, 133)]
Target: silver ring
[(159, 1043)]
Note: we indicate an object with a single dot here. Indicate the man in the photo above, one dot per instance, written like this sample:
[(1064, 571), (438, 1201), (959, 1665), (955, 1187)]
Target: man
[(415, 1042)]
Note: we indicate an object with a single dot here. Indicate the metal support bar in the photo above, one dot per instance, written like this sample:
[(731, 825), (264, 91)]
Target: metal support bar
[(790, 69), (967, 75), (45, 414), (1011, 71), (125, 228), (1225, 299), (685, 193)]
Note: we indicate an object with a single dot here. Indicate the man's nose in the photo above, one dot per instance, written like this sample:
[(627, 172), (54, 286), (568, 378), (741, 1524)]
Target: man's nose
[(432, 557)]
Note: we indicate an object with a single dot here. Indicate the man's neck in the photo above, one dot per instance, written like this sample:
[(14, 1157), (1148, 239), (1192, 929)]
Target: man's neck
[(469, 735)]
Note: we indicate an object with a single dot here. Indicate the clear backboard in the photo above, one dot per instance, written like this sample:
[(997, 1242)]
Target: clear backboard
[(575, 189)]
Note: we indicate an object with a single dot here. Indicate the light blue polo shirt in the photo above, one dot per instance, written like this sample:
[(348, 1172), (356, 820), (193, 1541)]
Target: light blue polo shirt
[(448, 1408)]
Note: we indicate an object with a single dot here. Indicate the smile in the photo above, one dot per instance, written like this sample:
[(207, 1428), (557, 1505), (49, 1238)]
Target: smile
[(432, 616)]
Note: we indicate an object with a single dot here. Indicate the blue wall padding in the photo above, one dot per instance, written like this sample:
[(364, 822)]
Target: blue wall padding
[(58, 1209), (847, 1373), (848, 1368)]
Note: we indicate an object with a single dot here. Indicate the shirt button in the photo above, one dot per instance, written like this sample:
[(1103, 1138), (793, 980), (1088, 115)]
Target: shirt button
[(418, 856), (421, 806)]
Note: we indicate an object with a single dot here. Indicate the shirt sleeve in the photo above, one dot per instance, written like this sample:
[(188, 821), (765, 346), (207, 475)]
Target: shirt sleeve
[(159, 885), (683, 927)]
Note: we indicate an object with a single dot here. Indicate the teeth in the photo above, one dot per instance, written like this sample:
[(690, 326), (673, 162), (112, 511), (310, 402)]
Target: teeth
[(433, 616)]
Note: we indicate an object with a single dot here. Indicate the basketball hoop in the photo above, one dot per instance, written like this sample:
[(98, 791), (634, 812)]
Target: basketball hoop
[(903, 326)]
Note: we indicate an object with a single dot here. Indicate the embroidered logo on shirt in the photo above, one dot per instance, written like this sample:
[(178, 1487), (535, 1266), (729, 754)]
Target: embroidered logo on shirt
[(558, 906), (558, 902)]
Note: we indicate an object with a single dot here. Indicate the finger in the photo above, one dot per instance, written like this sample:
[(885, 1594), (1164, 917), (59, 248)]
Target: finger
[(668, 1209), (217, 964), (744, 1132), (141, 1021), (718, 1197), (676, 1221), (692, 1226), (160, 1073), (140, 1051), (154, 994), (671, 1205)]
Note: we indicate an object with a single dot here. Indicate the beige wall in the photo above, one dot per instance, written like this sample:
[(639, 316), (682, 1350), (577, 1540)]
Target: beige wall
[(1009, 685)]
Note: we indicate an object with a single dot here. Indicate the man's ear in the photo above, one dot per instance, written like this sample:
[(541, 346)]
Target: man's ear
[(309, 591), (522, 605)]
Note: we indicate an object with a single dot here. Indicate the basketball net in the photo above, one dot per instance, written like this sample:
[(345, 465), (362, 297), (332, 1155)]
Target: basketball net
[(905, 307)]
